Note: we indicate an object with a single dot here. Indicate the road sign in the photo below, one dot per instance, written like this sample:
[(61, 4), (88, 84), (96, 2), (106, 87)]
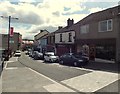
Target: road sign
[(11, 31)]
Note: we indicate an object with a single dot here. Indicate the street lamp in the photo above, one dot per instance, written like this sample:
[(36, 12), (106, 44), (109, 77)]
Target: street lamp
[(9, 33)]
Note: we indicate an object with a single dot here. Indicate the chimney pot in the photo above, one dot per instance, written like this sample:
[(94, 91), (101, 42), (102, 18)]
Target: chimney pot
[(59, 27), (70, 22)]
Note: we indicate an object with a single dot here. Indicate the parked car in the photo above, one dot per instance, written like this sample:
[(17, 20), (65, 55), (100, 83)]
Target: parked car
[(28, 51), (37, 55), (51, 57), (1, 60), (73, 59), (31, 53), (17, 53)]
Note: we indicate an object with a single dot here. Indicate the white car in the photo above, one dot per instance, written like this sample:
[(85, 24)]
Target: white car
[(17, 53), (51, 57)]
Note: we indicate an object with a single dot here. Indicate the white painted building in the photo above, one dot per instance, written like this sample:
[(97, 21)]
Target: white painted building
[(65, 37)]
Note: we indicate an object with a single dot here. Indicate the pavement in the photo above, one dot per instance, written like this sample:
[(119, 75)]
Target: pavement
[(104, 65), (0, 84), (27, 75), (23, 79)]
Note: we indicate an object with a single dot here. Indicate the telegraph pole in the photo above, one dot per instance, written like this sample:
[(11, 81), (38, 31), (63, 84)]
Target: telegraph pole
[(8, 33), (9, 37)]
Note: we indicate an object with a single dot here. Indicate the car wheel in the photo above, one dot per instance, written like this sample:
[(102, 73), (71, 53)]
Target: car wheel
[(44, 60), (61, 62), (50, 60), (75, 64)]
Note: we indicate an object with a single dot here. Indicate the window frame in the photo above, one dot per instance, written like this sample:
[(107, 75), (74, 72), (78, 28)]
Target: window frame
[(61, 37), (70, 37), (86, 26), (107, 26)]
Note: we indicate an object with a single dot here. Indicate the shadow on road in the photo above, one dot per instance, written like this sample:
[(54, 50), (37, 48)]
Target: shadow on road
[(109, 67)]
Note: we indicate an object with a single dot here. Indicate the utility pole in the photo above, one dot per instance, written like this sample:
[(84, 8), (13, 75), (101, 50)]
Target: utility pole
[(9, 38), (8, 33)]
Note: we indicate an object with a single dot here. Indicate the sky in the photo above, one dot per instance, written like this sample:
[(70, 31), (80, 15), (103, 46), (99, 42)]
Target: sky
[(36, 15)]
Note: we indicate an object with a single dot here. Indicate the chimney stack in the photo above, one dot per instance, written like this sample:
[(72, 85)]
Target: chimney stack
[(59, 27), (41, 31), (70, 22)]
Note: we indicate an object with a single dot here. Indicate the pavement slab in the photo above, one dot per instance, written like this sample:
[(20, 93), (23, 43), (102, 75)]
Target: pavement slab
[(14, 64), (23, 80), (92, 82)]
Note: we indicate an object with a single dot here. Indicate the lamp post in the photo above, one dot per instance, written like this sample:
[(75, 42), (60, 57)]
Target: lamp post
[(8, 33)]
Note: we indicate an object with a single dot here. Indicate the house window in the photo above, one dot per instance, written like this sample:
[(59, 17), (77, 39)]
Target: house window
[(70, 37), (84, 29), (60, 37), (105, 25)]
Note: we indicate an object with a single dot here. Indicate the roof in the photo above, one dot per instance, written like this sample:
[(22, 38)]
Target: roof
[(41, 32), (45, 36), (65, 29), (101, 15)]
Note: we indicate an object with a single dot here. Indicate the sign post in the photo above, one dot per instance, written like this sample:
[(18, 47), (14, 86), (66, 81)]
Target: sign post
[(11, 31)]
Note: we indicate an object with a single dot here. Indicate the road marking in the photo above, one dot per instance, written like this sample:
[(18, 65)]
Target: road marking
[(17, 59), (91, 82), (40, 61), (5, 65), (11, 68), (9, 61), (43, 75), (57, 87), (82, 69), (75, 67)]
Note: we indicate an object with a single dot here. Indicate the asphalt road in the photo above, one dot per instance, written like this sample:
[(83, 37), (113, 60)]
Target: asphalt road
[(53, 71), (61, 73)]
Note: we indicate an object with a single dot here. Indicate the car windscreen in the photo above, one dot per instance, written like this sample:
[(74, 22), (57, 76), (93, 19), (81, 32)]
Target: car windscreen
[(77, 55), (48, 54), (17, 52)]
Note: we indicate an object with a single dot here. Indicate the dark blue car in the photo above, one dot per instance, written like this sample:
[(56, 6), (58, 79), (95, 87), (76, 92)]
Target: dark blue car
[(73, 59)]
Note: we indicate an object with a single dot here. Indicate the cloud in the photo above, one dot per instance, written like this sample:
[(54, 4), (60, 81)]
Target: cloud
[(35, 29), (93, 10), (45, 14), (57, 13), (103, 0)]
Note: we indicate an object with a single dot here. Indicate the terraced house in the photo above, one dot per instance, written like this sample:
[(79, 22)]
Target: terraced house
[(99, 34), (40, 40), (65, 38)]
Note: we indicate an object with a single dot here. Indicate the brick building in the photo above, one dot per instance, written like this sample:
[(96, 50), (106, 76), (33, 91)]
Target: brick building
[(15, 41), (100, 31)]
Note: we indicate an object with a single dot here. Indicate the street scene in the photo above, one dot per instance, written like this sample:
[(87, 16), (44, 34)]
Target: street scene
[(24, 74), (73, 47)]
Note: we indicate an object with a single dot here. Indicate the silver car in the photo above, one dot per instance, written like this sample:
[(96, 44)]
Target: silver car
[(51, 57)]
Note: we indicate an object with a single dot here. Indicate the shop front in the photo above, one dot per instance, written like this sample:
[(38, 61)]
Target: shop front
[(63, 49), (98, 48)]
